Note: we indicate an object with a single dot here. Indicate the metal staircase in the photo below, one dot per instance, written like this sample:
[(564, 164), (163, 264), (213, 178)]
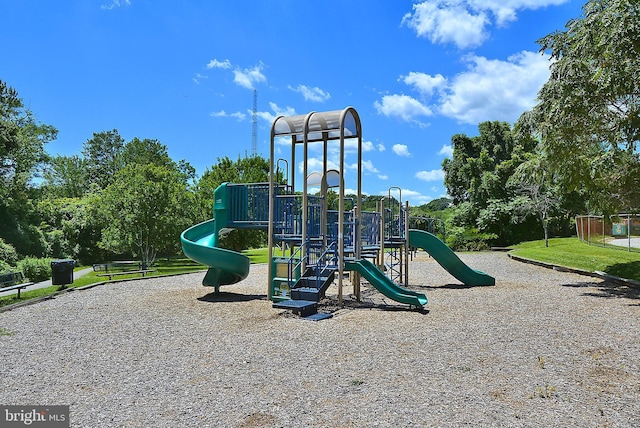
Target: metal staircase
[(311, 287)]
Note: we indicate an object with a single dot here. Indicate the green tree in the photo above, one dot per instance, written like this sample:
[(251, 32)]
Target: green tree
[(103, 157), (73, 227), (146, 151), (22, 141), (437, 205), (588, 114), (477, 178), (145, 209), (65, 177)]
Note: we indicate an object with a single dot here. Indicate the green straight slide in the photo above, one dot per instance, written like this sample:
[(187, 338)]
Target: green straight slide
[(448, 259), (384, 285), (225, 266)]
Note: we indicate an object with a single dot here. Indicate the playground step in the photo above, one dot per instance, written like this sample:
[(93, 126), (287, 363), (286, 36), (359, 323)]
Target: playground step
[(311, 294), (311, 282), (319, 316), (303, 308)]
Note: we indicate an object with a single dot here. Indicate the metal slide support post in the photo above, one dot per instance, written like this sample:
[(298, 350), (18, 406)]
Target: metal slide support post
[(357, 244), (381, 255), (406, 245), (305, 198), (324, 189), (271, 210), (341, 222)]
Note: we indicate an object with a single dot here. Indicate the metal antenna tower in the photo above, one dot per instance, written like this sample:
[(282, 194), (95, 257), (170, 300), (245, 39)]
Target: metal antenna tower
[(254, 131)]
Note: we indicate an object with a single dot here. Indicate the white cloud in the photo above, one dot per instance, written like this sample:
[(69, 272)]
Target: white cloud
[(237, 115), (249, 76), (433, 175), (269, 117), (446, 150), (351, 146), (465, 22), (214, 63), (367, 167), (495, 89), (311, 94), (316, 164), (506, 10), (381, 147), (198, 77), (401, 150), (443, 21), (402, 106), (489, 89), (348, 191), (115, 3), (424, 83)]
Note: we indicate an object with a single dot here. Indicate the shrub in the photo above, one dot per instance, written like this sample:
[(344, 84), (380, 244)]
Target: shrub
[(5, 267), (461, 239), (58, 244), (35, 269), (8, 254)]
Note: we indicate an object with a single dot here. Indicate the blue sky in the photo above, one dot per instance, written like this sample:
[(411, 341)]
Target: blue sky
[(183, 72)]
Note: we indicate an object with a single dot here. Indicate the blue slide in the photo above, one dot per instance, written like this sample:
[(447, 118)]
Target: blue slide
[(384, 285), (448, 259)]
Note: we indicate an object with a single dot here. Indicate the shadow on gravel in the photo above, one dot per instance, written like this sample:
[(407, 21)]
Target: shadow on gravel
[(225, 297), (608, 290), (451, 286), (330, 305)]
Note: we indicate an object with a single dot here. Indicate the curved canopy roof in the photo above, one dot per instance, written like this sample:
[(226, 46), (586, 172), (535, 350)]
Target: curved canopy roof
[(321, 125)]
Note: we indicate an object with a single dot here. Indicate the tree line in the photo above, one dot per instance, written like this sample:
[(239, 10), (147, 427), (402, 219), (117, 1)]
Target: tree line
[(574, 152), (114, 199)]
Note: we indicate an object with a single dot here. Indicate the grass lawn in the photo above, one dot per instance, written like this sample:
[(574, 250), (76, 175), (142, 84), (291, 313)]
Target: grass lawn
[(257, 255), (571, 252), (162, 266)]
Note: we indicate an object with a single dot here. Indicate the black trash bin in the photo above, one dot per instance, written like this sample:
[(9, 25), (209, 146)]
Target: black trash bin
[(62, 272)]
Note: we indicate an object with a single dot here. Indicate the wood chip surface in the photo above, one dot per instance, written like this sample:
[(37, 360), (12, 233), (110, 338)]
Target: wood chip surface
[(541, 348)]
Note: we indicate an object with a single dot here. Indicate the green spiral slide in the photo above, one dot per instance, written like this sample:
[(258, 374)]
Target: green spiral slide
[(199, 243), (448, 259)]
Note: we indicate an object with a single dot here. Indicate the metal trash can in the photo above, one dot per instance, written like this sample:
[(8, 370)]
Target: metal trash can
[(62, 272)]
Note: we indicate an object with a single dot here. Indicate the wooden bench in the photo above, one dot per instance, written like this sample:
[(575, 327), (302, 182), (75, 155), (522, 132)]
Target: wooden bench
[(126, 272), (13, 281), (118, 266)]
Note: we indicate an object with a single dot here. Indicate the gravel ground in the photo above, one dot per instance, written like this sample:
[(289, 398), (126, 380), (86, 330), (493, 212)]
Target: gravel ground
[(541, 348)]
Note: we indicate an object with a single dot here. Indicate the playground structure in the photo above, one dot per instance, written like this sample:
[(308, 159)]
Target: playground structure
[(312, 244)]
